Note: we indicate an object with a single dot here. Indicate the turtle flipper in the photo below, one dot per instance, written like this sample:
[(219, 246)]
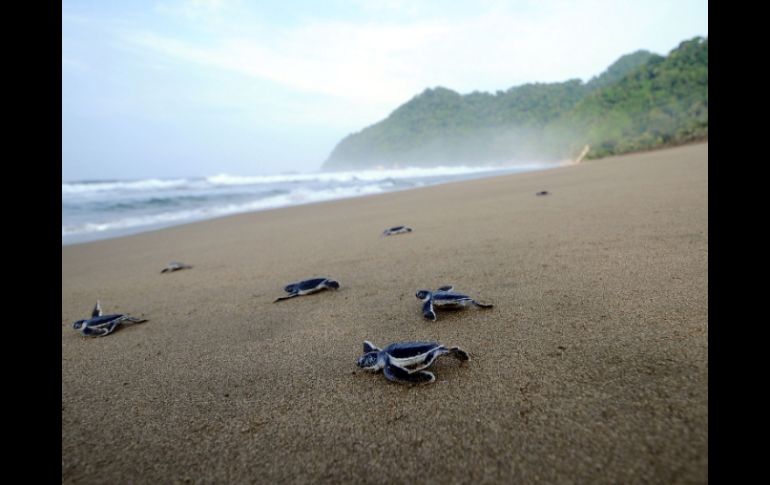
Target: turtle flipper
[(482, 305), (429, 359), (370, 347), (95, 332), (427, 310), (285, 297), (101, 330), (97, 312), (459, 354), (331, 284), (446, 288), (133, 319), (399, 374)]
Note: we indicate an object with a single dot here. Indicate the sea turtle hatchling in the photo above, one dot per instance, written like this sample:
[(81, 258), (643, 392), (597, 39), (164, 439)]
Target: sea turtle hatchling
[(100, 325), (445, 299), (175, 266), (307, 287), (405, 361), (396, 230)]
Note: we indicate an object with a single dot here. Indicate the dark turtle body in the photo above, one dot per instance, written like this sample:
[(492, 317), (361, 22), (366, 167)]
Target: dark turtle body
[(307, 287), (100, 325), (445, 298), (396, 230), (175, 266), (406, 362)]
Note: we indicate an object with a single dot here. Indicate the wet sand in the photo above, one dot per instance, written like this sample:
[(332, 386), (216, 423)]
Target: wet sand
[(591, 368)]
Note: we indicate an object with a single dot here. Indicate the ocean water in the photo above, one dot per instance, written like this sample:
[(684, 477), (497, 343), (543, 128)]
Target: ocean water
[(94, 210)]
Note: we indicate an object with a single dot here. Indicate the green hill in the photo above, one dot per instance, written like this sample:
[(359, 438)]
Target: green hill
[(641, 101), (663, 102)]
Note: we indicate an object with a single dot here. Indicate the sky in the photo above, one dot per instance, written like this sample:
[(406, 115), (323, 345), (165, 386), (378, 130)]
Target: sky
[(165, 89)]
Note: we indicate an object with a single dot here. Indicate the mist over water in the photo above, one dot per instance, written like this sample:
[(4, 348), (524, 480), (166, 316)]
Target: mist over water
[(95, 210)]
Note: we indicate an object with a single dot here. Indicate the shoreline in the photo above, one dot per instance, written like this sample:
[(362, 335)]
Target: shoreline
[(161, 226), (592, 367)]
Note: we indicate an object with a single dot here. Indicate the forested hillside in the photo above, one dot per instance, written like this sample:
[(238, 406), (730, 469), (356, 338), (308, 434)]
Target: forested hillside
[(641, 101)]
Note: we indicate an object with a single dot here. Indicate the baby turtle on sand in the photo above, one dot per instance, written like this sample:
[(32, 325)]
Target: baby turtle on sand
[(100, 325), (174, 266), (542, 192), (405, 361), (396, 230), (444, 299), (308, 286)]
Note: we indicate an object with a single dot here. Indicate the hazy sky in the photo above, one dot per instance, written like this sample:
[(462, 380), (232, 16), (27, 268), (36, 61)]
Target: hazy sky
[(203, 87)]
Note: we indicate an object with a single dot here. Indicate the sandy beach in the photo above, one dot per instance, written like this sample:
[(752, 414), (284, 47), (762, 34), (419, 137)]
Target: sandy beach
[(591, 368)]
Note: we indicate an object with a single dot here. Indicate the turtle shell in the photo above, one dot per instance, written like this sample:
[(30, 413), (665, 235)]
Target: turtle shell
[(96, 321), (305, 285), (406, 350)]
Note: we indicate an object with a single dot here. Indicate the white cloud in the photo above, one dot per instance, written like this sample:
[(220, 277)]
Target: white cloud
[(374, 66), (389, 62), (191, 9), (351, 72), (333, 59)]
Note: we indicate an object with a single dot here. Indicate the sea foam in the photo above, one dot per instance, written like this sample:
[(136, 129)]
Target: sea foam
[(100, 209)]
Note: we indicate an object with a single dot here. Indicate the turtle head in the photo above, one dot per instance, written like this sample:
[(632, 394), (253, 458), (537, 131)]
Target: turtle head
[(370, 361), (332, 284), (423, 295), (78, 325)]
